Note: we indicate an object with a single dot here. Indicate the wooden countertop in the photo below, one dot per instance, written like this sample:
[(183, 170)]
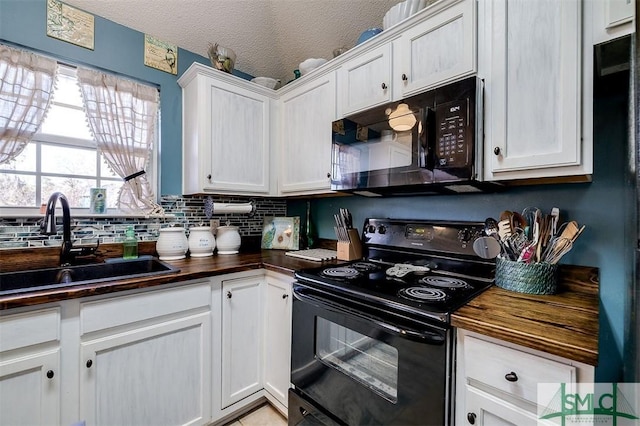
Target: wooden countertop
[(563, 324), (190, 268)]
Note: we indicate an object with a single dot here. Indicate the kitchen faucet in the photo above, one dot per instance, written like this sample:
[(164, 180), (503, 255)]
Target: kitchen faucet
[(48, 225)]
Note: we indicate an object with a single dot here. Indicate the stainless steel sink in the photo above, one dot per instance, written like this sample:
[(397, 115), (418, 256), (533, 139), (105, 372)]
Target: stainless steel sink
[(111, 270)]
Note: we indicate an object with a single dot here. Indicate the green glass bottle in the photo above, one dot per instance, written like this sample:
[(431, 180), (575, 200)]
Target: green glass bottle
[(311, 234), (130, 244)]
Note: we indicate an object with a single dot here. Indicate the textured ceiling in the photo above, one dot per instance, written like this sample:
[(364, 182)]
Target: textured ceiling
[(269, 37)]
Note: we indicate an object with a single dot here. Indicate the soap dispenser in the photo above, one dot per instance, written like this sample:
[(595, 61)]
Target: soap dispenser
[(130, 244)]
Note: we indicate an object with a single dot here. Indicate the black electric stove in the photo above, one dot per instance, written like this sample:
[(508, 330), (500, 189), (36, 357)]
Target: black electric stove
[(422, 269)]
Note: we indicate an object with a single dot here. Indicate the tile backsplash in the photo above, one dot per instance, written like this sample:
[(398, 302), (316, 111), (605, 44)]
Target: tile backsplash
[(185, 211)]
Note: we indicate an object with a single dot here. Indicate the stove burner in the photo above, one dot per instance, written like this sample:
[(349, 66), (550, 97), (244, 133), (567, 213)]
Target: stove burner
[(444, 282), (365, 267), (423, 294), (340, 272)]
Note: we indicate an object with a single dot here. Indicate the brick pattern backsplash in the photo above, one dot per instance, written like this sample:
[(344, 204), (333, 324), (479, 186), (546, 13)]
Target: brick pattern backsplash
[(185, 211)]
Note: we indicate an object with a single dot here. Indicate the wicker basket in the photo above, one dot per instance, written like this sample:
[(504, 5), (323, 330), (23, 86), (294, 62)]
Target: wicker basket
[(531, 278)]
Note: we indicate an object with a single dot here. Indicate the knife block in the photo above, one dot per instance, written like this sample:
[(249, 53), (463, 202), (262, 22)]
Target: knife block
[(352, 249)]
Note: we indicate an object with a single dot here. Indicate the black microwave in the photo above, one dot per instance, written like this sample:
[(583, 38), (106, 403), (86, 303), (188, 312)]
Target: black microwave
[(431, 142)]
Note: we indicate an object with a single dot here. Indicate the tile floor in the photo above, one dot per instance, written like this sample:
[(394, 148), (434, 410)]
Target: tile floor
[(264, 415)]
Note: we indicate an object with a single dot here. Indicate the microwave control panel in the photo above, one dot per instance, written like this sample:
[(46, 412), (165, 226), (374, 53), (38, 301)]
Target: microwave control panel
[(453, 140)]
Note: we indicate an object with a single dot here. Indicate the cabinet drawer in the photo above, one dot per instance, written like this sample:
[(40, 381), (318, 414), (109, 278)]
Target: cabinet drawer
[(493, 365), (30, 328), (119, 311)]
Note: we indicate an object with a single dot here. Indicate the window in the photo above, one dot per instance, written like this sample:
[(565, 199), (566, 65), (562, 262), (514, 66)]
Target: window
[(63, 156)]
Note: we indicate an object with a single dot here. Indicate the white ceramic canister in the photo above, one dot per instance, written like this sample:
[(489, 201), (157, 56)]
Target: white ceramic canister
[(228, 239), (172, 243), (201, 241)]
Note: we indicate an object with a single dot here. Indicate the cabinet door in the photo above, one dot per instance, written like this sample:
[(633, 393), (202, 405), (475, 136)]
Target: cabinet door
[(154, 375), (225, 131), (305, 156), (277, 371), (30, 389), (242, 337), (365, 81), (239, 148), (440, 49), (483, 409), (533, 88)]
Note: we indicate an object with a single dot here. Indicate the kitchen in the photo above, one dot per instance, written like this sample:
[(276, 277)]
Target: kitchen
[(601, 204)]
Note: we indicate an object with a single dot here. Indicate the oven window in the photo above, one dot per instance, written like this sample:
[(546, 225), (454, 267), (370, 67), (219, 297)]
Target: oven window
[(369, 361)]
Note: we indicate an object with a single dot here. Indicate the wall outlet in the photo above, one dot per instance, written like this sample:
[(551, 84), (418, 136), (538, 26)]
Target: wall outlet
[(214, 223)]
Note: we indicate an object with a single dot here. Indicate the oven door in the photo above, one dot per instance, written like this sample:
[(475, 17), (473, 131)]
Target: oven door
[(368, 367)]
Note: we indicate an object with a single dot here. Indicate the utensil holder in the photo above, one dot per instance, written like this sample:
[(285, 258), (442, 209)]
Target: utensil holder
[(530, 278), (352, 249)]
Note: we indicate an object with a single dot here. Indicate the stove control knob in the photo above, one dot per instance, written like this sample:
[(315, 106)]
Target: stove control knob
[(382, 229), (371, 229)]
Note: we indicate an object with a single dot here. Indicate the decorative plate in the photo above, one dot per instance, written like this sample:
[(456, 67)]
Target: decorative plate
[(281, 233)]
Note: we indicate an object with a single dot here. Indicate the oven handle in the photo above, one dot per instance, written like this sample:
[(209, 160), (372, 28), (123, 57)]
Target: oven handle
[(406, 333)]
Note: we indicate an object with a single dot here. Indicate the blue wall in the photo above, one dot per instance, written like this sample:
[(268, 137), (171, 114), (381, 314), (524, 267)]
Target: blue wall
[(605, 206), (117, 49)]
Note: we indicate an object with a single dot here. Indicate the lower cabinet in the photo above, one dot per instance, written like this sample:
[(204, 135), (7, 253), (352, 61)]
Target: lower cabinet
[(191, 353), (30, 368), (242, 338), (497, 382), (277, 351), (151, 366)]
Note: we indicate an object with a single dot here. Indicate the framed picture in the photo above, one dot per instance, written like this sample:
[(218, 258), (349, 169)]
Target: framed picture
[(281, 233), (160, 55), (69, 24)]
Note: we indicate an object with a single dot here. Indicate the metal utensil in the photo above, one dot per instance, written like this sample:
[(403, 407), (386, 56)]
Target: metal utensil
[(487, 247)]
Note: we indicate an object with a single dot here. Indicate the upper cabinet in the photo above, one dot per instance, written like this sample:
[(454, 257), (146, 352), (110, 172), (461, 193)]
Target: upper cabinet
[(441, 48), (612, 19), (226, 132), (365, 80), (538, 94), (438, 45), (306, 115)]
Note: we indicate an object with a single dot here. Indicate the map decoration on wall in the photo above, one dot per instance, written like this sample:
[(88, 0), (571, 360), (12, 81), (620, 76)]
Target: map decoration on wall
[(69, 24), (160, 55)]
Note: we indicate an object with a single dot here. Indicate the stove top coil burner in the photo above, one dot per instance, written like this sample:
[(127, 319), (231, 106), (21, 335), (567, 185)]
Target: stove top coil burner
[(341, 272), (444, 282), (365, 267), (423, 294)]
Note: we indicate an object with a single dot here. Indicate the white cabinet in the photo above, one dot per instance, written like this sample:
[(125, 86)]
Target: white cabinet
[(497, 382), (538, 94), (365, 80), (226, 133), (441, 48), (438, 48), (277, 352), (307, 112), (611, 19), (242, 338), (145, 358), (30, 368)]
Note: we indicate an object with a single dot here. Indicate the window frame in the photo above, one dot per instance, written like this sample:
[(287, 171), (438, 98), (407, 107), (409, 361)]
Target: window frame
[(72, 142)]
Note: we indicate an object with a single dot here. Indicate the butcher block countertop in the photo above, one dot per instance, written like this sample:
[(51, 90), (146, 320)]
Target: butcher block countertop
[(565, 324)]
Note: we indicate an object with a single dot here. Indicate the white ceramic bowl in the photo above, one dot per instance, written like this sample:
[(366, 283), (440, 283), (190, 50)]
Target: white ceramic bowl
[(271, 83), (310, 64), (402, 11), (172, 244)]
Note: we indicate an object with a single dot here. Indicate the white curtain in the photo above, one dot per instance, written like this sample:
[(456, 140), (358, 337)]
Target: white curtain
[(26, 86), (123, 116)]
